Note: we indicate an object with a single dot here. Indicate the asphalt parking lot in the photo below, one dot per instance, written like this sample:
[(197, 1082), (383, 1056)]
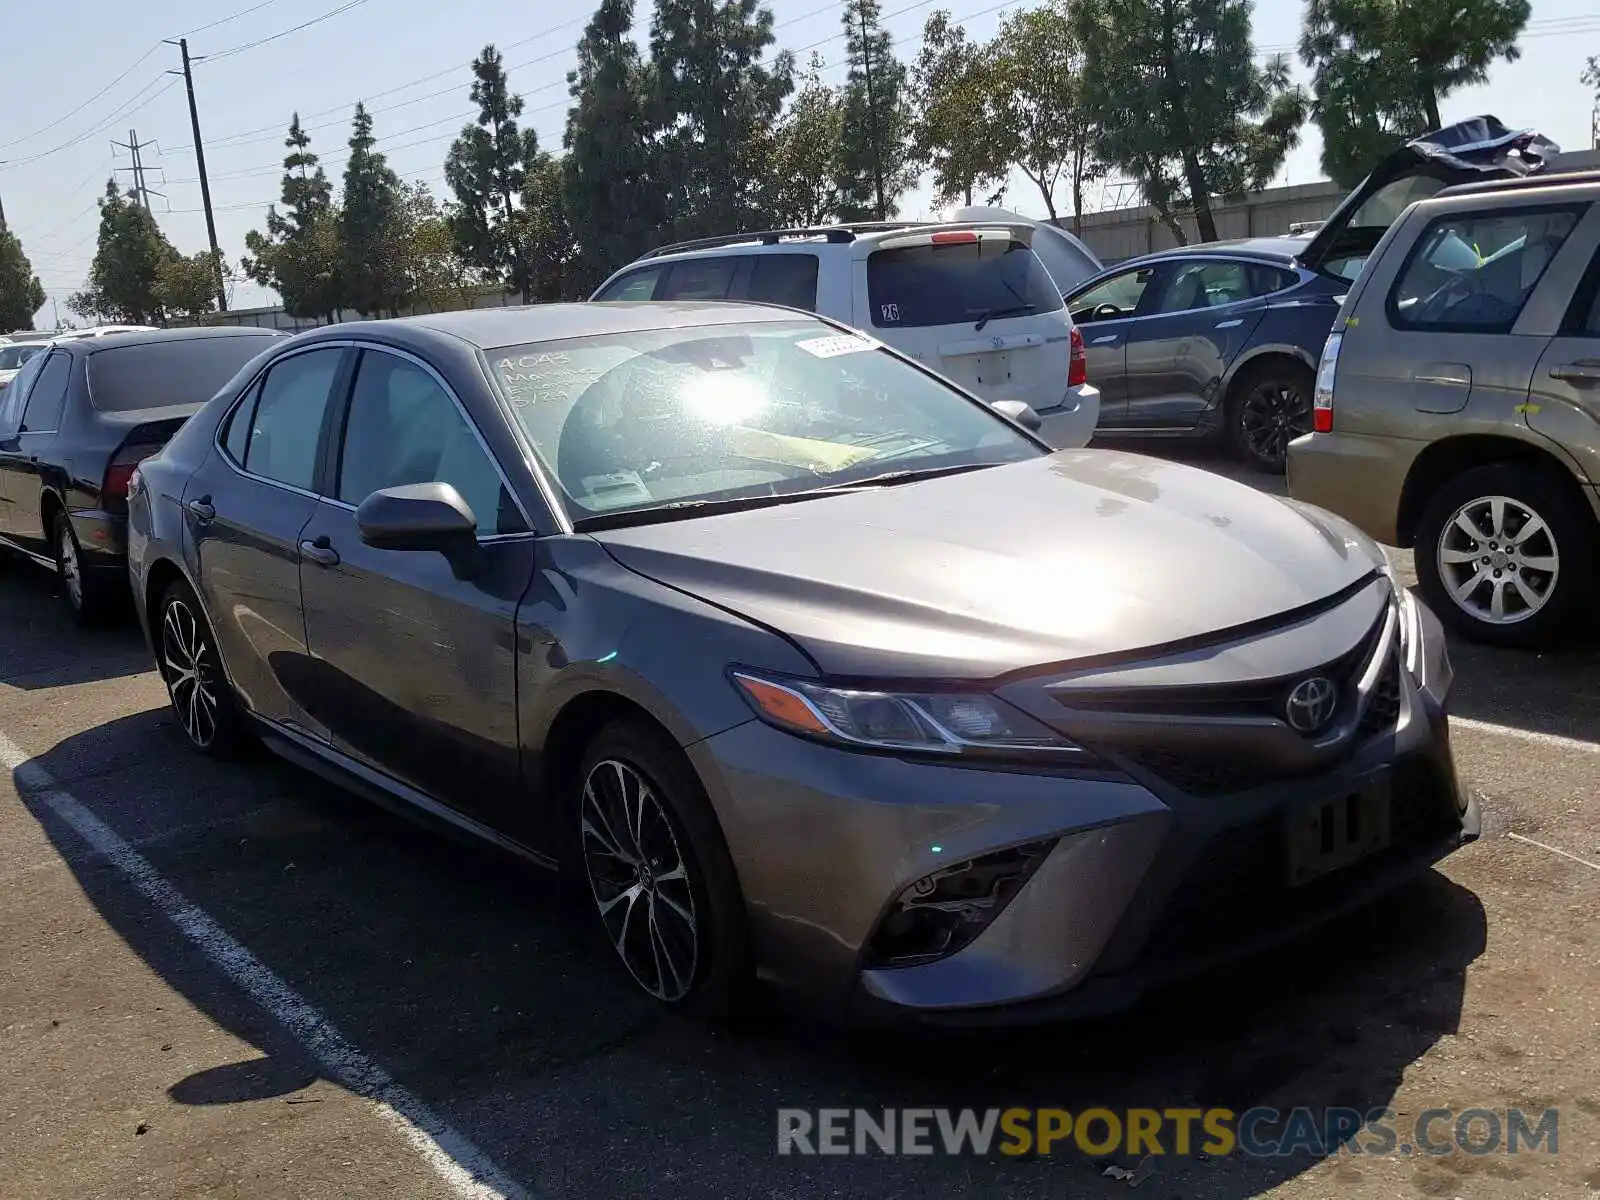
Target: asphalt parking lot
[(237, 981)]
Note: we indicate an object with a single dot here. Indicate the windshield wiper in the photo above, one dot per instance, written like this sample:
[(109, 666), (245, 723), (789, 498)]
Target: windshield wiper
[(678, 510), (985, 315)]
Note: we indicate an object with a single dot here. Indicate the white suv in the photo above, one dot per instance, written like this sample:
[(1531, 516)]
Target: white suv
[(968, 299)]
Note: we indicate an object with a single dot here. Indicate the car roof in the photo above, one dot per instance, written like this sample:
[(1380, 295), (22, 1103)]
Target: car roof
[(1278, 251), (1523, 183), (148, 337), (492, 328)]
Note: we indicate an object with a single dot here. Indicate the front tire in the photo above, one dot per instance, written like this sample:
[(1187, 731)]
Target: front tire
[(1269, 406), (197, 687), (660, 874), (1506, 555)]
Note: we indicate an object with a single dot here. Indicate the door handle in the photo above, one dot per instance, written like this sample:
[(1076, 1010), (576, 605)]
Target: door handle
[(320, 552), (200, 506), (1104, 341), (1585, 370), (1233, 324)]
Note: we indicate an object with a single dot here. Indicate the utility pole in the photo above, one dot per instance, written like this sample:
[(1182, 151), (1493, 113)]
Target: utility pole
[(200, 162), (141, 183), (872, 110)]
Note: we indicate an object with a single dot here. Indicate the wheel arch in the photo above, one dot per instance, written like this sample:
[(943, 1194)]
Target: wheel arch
[(50, 503), (1254, 360), (1449, 457)]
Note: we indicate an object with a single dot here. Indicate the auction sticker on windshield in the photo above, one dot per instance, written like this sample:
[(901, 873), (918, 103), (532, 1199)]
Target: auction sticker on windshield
[(837, 344)]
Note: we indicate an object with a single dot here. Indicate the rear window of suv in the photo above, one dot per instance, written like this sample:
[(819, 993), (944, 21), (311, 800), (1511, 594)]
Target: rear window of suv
[(1474, 272), (156, 374), (957, 282)]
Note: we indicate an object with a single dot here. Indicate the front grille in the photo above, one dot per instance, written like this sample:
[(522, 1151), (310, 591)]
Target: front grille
[(1203, 774), (1237, 888), (1384, 708)]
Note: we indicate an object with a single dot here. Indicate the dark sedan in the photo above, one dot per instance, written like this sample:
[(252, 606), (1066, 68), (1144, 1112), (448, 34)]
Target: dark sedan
[(708, 604), (1217, 341), (74, 424)]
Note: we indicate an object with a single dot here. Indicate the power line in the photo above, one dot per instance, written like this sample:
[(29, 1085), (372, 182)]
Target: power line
[(283, 33), (28, 137), (254, 8), (129, 108)]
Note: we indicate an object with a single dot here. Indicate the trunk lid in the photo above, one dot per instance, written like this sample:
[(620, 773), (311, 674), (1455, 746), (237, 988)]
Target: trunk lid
[(1476, 149)]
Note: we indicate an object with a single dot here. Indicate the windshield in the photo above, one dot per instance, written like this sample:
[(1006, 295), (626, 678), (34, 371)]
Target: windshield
[(639, 422), (156, 374), (12, 357)]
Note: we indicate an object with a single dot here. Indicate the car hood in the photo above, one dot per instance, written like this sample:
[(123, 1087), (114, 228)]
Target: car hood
[(1073, 555)]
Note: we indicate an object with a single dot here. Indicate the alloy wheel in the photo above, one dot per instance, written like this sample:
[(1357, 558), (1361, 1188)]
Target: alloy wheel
[(189, 666), (1272, 414), (1498, 560), (640, 879)]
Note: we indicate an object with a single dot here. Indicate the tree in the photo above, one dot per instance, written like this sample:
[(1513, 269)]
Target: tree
[(438, 276), (1381, 67), (801, 188), (614, 184), (187, 286), (873, 157), (550, 242), (1181, 104), (487, 168), (372, 231), (953, 105), (298, 256), (1038, 92), (715, 101), (127, 260), (20, 292)]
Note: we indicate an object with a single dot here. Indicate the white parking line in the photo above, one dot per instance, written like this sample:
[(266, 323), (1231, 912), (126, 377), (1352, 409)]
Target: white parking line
[(465, 1169), (1517, 837), (1554, 740)]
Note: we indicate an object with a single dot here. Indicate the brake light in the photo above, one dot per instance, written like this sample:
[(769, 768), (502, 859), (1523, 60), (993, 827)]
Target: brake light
[(114, 489), (955, 237), (1078, 369), (1322, 398)]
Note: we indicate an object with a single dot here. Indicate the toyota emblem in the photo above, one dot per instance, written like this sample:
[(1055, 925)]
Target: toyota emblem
[(1311, 703)]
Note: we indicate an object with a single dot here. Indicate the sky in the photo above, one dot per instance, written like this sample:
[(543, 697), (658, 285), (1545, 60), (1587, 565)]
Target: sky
[(78, 75)]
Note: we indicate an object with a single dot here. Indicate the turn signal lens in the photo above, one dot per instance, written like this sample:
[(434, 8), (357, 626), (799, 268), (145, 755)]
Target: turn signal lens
[(1078, 371)]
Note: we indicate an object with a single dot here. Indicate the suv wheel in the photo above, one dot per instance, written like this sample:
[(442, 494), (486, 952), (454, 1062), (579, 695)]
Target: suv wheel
[(660, 873), (1269, 407), (1505, 555)]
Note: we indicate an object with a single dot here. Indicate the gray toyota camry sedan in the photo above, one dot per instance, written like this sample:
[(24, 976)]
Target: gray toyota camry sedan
[(811, 668)]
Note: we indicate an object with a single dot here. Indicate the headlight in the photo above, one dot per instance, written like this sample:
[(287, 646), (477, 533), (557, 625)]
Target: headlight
[(935, 722), (1410, 630)]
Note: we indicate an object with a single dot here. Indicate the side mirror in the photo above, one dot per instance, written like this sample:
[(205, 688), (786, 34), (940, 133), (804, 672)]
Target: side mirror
[(417, 516), (1020, 412)]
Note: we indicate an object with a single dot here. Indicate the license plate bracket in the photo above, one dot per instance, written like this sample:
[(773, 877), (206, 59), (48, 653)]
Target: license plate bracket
[(1331, 833), (991, 368)]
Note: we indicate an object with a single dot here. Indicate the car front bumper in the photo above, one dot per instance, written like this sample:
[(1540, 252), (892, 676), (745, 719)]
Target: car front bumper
[(1145, 882)]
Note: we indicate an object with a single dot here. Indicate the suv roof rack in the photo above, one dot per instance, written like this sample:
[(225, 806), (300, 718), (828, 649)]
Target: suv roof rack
[(771, 237), (1549, 177)]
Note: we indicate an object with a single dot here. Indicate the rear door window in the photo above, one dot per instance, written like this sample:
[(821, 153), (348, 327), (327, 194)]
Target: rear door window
[(702, 278), (957, 283), (1211, 284), (1473, 272), (787, 279), (636, 285), (49, 395)]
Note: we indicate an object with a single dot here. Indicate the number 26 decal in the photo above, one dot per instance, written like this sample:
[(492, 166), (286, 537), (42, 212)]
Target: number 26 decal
[(890, 312)]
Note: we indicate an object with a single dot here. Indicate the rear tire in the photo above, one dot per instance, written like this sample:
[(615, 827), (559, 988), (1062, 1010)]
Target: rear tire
[(1510, 529), (88, 599), (1268, 407), (206, 709), (660, 874)]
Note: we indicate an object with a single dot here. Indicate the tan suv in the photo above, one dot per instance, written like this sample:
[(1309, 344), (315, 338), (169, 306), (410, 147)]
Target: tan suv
[(1457, 407)]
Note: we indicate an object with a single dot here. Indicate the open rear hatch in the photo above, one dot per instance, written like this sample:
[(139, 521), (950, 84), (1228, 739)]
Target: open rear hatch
[(1468, 151)]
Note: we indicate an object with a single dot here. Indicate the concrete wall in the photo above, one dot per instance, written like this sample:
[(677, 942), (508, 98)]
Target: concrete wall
[(1129, 232), (276, 318)]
